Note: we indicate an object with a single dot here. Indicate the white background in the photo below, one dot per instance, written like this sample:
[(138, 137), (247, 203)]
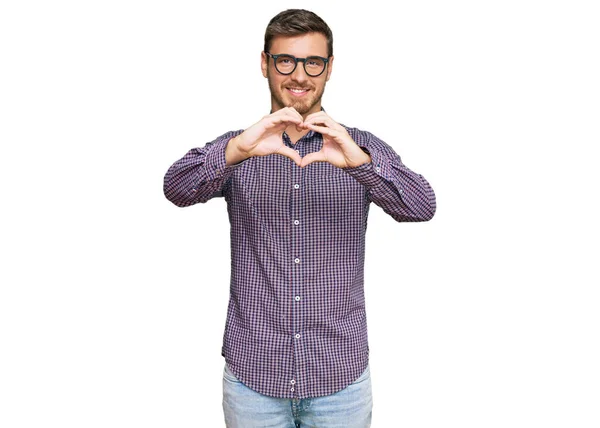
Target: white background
[(113, 300)]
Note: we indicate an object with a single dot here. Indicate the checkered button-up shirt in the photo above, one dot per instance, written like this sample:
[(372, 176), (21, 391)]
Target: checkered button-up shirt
[(296, 324)]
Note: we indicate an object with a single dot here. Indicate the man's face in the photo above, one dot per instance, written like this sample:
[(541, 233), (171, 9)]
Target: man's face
[(298, 89)]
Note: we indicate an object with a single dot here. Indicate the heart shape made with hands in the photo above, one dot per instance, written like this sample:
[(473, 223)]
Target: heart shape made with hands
[(339, 149), (266, 137)]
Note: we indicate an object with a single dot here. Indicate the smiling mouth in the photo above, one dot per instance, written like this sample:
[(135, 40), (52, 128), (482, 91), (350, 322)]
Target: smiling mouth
[(298, 92)]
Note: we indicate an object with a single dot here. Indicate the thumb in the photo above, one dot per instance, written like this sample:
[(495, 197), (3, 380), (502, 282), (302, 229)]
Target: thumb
[(313, 157), (290, 153)]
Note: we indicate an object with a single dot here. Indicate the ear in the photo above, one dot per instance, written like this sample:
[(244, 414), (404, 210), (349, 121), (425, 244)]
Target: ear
[(264, 63), (329, 68)]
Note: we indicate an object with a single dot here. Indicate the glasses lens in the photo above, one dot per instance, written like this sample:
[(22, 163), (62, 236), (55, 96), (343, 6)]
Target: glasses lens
[(285, 64), (314, 65)]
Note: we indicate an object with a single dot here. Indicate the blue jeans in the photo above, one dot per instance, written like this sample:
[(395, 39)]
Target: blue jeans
[(348, 408)]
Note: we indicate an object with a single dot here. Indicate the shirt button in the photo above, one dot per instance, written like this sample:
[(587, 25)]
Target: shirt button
[(292, 389), (297, 298), (296, 222), (297, 336), (378, 169), (293, 382), (296, 186), (296, 261)]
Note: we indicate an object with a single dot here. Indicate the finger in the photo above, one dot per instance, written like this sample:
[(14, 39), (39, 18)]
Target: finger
[(289, 113), (294, 112), (323, 120), (286, 119), (313, 157), (317, 114), (317, 117), (323, 130), (290, 153)]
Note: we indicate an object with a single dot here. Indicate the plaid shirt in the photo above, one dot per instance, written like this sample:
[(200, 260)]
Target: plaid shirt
[(296, 323)]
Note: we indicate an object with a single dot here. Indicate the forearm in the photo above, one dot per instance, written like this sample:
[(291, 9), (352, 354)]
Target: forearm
[(400, 192), (406, 196), (233, 155), (200, 175)]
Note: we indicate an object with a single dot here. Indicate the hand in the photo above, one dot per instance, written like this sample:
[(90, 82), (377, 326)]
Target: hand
[(265, 138), (339, 149)]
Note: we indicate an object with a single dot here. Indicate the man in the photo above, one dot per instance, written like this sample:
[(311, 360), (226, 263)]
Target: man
[(298, 187)]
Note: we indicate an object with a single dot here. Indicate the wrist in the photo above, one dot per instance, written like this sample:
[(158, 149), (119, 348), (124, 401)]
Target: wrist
[(232, 153), (367, 158), (364, 159)]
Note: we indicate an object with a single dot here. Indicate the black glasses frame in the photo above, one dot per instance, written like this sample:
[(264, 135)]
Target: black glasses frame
[(296, 60)]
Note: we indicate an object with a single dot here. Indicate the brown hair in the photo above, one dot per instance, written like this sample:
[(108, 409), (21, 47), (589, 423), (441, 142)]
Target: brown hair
[(295, 22)]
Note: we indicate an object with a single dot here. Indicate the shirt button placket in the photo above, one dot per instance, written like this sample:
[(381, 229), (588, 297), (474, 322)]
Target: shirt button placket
[(297, 268)]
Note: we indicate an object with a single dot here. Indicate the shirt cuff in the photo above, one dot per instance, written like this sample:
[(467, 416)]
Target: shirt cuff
[(215, 160), (370, 174)]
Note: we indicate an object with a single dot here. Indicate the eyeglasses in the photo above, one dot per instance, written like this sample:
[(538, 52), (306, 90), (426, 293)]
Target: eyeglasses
[(286, 64)]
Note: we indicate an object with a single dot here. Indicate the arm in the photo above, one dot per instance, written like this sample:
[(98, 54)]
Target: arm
[(400, 192), (203, 173), (403, 194), (200, 175)]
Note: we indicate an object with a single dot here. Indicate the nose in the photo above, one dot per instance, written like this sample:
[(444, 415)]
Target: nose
[(299, 74)]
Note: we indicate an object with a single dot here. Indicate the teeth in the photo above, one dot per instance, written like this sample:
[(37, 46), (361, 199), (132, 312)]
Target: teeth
[(297, 90)]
